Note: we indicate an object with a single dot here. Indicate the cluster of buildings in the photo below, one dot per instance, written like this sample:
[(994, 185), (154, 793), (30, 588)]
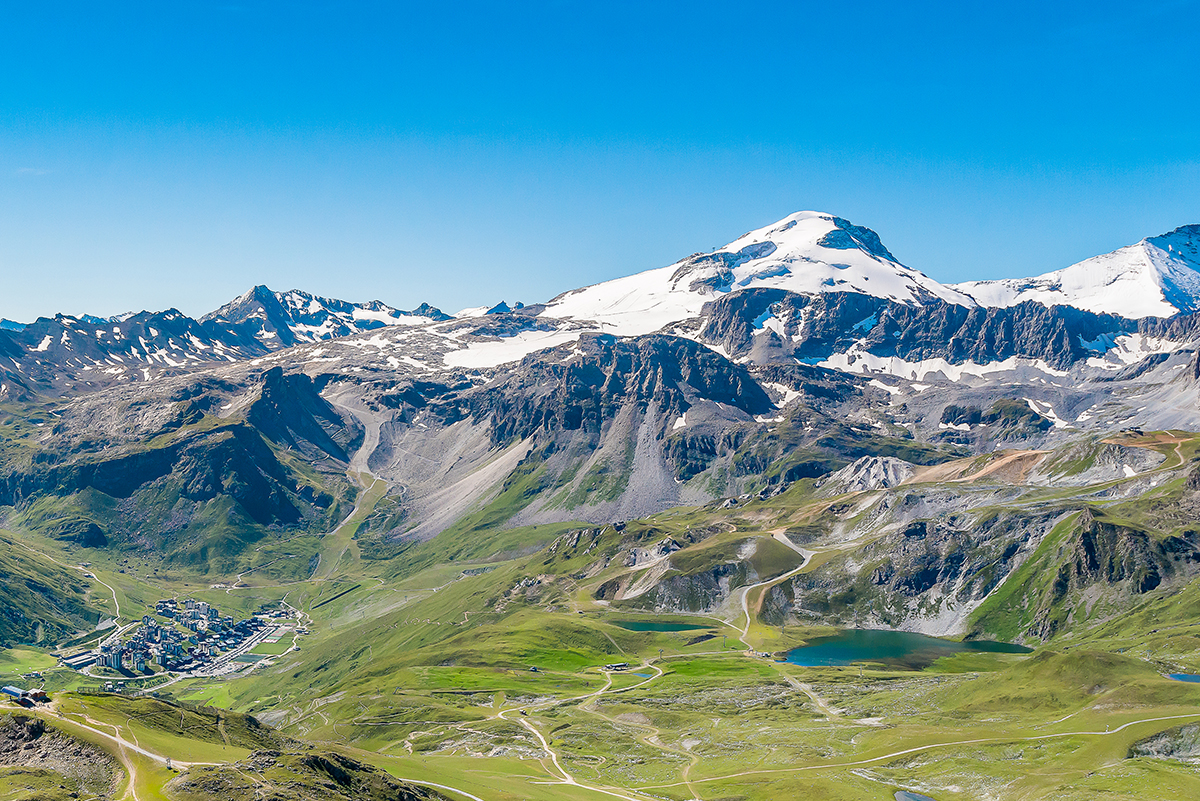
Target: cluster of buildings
[(193, 635), (23, 697)]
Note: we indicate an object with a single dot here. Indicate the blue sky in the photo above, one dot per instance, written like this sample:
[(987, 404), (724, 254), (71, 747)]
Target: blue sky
[(174, 154)]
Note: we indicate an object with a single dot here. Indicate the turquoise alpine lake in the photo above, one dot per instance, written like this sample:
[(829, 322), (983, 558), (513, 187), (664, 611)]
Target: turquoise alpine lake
[(895, 648), (658, 625), (1192, 677)]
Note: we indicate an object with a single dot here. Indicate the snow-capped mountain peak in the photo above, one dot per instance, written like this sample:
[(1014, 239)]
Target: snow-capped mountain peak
[(808, 252), (294, 316), (1156, 277)]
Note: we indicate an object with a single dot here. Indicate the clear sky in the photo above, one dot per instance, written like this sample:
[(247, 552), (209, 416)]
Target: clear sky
[(176, 153)]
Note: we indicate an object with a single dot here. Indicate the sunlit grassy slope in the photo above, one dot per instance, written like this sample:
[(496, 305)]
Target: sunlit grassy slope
[(450, 661)]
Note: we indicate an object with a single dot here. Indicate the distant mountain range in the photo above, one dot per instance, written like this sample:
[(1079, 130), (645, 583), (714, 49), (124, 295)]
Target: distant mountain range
[(806, 253), (295, 316), (785, 357), (812, 287)]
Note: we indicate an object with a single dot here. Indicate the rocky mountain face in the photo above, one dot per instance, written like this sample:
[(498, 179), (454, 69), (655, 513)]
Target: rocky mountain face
[(587, 387), (925, 576), (773, 325), (1114, 562), (802, 358), (70, 354), (295, 316), (592, 429), (289, 411), (178, 474), (82, 768)]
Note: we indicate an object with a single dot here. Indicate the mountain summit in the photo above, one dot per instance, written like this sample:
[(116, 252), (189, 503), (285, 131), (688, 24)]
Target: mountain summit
[(294, 316), (1157, 277), (808, 253)]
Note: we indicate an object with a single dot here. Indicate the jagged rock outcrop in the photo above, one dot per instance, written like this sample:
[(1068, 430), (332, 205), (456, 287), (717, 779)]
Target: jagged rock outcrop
[(1105, 552), (29, 743), (552, 391), (281, 319), (814, 327), (927, 576), (868, 473), (1098, 568), (290, 411), (66, 353), (1181, 743), (699, 591), (256, 315)]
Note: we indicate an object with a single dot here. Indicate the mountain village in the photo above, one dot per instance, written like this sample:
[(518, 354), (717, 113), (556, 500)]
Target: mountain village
[(190, 637)]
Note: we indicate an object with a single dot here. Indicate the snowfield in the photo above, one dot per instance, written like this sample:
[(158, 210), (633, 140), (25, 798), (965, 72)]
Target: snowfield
[(1157, 277), (808, 252)]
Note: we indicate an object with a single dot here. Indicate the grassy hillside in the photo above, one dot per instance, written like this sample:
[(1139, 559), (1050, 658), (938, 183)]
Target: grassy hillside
[(476, 660), (41, 602)]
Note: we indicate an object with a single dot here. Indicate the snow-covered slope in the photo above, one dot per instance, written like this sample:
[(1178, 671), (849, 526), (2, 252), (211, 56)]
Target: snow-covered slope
[(479, 311), (1157, 277), (808, 252)]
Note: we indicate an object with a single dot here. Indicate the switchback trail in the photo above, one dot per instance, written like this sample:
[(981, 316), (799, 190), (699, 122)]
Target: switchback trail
[(745, 591), (563, 776)]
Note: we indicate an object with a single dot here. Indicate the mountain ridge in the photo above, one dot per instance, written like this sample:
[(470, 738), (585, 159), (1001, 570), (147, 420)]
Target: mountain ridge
[(765, 258), (812, 286), (1158, 276)]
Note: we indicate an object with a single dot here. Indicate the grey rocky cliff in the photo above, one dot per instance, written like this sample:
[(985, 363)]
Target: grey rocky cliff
[(927, 575), (584, 388), (814, 327)]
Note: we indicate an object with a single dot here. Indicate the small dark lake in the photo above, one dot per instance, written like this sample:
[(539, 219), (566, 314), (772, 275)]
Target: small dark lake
[(1184, 677), (895, 648), (658, 625), (905, 795)]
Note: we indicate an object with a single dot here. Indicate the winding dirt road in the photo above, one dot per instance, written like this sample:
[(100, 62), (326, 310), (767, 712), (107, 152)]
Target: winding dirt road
[(916, 750)]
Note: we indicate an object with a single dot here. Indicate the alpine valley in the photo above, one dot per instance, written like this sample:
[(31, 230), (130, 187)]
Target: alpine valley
[(787, 519)]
